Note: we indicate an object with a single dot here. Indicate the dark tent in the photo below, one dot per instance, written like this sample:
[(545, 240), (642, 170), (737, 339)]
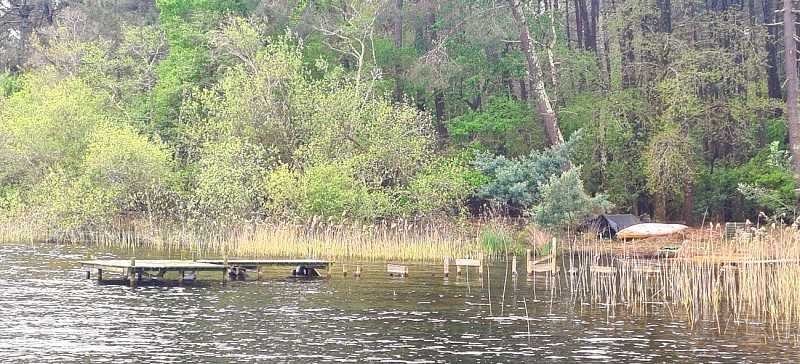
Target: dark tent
[(609, 225)]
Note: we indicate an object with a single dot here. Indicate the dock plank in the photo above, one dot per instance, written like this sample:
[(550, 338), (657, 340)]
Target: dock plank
[(151, 264), (310, 263)]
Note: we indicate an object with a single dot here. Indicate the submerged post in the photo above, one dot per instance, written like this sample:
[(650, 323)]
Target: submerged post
[(480, 265), (553, 256), (358, 271), (260, 274), (344, 270), (446, 266)]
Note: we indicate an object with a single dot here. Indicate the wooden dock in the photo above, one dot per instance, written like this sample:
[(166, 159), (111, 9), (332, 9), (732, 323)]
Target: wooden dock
[(255, 263), (136, 270)]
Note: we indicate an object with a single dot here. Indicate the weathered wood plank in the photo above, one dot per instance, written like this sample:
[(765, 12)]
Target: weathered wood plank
[(603, 269), (310, 263), (401, 270), (468, 262)]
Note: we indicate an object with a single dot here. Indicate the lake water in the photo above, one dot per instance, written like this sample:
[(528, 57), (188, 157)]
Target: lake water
[(52, 314)]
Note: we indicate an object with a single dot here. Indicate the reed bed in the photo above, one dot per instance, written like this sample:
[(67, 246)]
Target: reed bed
[(749, 280), (399, 240), (402, 240)]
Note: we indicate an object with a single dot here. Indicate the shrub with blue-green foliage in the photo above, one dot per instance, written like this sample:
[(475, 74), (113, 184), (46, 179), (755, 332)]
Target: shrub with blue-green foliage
[(518, 181), (564, 203)]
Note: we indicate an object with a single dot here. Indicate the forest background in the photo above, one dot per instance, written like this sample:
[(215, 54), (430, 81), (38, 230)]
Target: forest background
[(222, 114)]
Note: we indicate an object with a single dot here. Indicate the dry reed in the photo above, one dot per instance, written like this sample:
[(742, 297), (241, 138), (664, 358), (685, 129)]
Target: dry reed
[(749, 279)]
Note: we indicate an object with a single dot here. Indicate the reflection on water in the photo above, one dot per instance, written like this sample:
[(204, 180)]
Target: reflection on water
[(52, 314)]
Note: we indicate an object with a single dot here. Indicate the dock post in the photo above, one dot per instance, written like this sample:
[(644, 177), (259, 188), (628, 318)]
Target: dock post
[(553, 256), (514, 266), (358, 271), (480, 265), (99, 275), (405, 272), (225, 269), (180, 277), (446, 266), (528, 266), (88, 274), (132, 273), (260, 274), (344, 270), (458, 270), (330, 266)]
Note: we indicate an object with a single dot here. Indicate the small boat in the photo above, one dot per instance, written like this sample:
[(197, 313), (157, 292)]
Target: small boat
[(650, 229)]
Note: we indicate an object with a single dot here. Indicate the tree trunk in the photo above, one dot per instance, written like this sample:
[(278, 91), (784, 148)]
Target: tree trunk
[(688, 204), (773, 81), (790, 55), (584, 21), (535, 75), (24, 11), (438, 102), (578, 24), (398, 46), (591, 35), (660, 206), (665, 21)]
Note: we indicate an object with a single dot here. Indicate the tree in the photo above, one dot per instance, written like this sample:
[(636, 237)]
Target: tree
[(535, 75), (792, 83)]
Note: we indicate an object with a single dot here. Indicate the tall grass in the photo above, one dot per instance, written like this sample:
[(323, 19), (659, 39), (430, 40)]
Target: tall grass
[(404, 240)]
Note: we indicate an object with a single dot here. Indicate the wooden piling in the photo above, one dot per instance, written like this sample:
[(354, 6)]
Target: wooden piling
[(344, 270), (514, 266), (446, 267), (358, 271), (553, 256), (480, 265), (180, 277), (458, 270), (529, 264), (225, 269), (260, 274), (132, 273)]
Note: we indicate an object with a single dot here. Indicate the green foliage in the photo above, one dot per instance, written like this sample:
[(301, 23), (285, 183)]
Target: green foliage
[(443, 187), (503, 126), (498, 240), (228, 181), (518, 181), (270, 139), (564, 205), (767, 181), (615, 127), (67, 163), (329, 192)]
